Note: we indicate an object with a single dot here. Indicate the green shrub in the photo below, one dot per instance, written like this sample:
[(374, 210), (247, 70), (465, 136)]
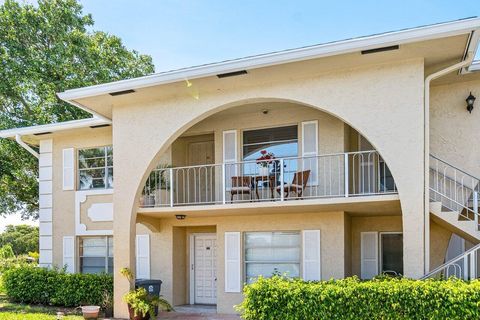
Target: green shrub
[(394, 298), (29, 284)]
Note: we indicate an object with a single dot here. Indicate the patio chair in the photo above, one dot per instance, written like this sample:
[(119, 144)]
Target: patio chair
[(298, 184), (241, 185)]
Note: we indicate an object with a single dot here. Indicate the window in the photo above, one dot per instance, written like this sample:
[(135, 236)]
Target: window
[(95, 167), (267, 253), (282, 142), (96, 255), (391, 253)]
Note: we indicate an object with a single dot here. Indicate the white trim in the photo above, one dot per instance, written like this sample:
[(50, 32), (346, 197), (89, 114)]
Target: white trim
[(362, 253), (68, 169), (236, 145), (80, 228), (100, 212), (236, 285), (423, 33), (192, 262), (305, 275), (53, 127), (304, 123), (145, 237), (68, 253)]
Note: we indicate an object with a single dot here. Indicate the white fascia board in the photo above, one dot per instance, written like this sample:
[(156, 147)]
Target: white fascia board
[(312, 52), (67, 125)]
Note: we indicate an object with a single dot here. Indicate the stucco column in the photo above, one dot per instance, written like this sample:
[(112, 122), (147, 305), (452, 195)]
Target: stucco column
[(124, 257)]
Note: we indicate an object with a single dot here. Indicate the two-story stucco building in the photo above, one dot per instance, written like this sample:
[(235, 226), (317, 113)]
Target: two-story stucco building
[(322, 162)]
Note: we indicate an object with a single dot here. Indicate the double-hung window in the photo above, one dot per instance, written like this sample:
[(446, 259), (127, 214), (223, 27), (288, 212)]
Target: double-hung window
[(96, 255), (268, 253), (95, 168)]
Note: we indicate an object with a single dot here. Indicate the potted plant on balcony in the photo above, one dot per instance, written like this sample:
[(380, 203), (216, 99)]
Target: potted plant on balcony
[(264, 162), (141, 305), (162, 193)]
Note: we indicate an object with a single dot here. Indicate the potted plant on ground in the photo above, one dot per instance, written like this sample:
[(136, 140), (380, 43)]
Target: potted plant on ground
[(141, 305), (107, 304)]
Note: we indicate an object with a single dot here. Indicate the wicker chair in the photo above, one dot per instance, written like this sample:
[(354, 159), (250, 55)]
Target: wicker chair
[(298, 184), (241, 185)]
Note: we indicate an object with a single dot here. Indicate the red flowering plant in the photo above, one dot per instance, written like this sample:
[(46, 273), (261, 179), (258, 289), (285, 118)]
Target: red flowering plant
[(265, 159)]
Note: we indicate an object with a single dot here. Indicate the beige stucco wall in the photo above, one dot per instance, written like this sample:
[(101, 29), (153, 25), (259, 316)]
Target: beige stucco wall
[(172, 245), (63, 201), (354, 95), (453, 130), (365, 224), (84, 206)]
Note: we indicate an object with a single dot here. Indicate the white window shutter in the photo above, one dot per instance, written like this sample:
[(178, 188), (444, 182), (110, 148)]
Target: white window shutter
[(310, 149), (69, 253), (311, 255), (142, 248), (68, 169), (230, 155), (232, 262), (369, 254)]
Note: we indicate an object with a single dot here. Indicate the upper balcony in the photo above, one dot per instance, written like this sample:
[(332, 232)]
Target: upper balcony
[(291, 156), (341, 175)]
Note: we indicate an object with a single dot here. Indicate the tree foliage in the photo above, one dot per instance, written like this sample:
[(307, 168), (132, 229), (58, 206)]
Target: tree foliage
[(45, 49), (21, 238)]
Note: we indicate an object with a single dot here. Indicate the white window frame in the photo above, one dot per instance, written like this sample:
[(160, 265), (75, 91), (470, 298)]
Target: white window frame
[(106, 167), (244, 252), (380, 233), (80, 244)]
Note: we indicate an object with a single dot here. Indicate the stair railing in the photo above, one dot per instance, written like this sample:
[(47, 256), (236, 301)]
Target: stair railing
[(456, 189), (464, 266)]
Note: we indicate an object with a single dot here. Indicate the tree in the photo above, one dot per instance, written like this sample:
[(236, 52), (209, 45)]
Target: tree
[(6, 252), (21, 238), (45, 49)]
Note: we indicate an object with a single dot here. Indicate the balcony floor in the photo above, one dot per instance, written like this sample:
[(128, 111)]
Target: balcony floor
[(386, 204)]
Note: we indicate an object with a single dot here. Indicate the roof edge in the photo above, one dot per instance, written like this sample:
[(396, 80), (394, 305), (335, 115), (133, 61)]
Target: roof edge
[(429, 32), (54, 127)]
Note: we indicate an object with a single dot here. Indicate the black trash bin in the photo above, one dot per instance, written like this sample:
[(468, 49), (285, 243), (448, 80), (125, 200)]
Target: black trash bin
[(152, 286)]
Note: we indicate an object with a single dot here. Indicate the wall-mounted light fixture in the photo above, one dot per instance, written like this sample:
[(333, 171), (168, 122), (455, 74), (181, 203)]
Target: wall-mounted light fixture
[(180, 216), (470, 101)]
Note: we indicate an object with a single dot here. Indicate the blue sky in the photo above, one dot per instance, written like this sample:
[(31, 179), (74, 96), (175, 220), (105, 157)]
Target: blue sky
[(186, 33)]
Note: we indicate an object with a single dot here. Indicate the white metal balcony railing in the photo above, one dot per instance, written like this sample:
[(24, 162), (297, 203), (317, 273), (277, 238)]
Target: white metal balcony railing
[(323, 176), (465, 266), (454, 188)]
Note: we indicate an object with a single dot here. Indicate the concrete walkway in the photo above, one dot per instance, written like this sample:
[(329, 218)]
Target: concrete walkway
[(196, 312)]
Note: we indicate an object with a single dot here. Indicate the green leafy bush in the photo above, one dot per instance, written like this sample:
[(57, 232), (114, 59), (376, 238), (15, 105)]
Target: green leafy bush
[(28, 284), (387, 298)]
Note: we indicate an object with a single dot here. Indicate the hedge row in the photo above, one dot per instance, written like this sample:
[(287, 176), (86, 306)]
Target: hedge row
[(29, 284), (287, 299)]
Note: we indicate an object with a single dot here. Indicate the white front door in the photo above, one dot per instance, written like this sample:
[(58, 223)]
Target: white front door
[(205, 267)]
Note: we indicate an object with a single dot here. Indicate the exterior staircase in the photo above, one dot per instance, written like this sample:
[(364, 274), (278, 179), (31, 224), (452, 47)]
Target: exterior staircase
[(454, 199), (454, 204)]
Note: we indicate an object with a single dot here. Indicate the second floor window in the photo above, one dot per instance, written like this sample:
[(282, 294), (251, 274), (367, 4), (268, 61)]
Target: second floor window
[(95, 168)]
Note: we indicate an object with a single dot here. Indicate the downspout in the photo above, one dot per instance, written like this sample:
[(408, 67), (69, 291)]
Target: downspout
[(19, 140), (426, 160)]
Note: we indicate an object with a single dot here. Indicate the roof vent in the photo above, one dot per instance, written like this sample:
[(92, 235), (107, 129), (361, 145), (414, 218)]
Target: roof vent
[(390, 48), (42, 133), (232, 74), (119, 93), (100, 126)]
